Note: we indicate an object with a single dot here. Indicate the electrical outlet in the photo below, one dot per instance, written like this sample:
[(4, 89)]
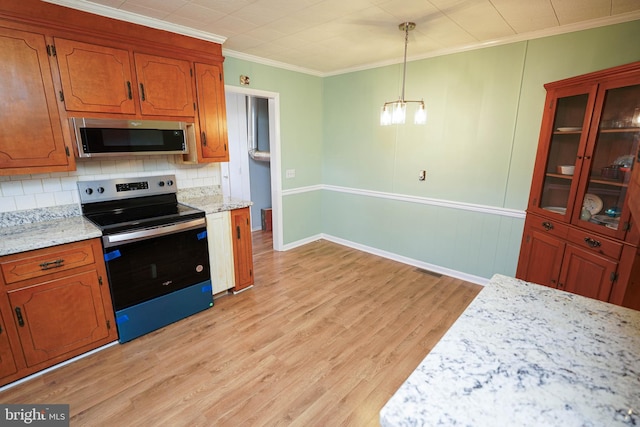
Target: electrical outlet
[(290, 173)]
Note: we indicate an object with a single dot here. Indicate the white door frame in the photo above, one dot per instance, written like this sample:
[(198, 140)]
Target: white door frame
[(274, 148)]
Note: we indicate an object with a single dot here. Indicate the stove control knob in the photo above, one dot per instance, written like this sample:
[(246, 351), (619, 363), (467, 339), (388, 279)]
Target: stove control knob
[(89, 191), (161, 183), (170, 183), (100, 190)]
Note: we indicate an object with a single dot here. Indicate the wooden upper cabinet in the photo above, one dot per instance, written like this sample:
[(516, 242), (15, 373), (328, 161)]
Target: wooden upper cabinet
[(98, 79), (31, 135), (164, 86), (95, 78), (212, 113), (59, 63)]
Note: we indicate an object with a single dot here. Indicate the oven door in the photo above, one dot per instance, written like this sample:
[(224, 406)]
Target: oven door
[(146, 264)]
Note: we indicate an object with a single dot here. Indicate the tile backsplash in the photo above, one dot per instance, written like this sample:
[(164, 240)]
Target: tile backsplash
[(19, 192)]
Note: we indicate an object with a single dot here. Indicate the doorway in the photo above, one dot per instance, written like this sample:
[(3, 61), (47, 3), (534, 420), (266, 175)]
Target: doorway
[(253, 126)]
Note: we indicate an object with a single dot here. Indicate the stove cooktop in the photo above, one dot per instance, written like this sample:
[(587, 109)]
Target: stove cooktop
[(143, 217), (124, 204)]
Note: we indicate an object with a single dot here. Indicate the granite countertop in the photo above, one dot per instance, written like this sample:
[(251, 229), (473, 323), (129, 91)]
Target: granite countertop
[(40, 228), (211, 203), (527, 355)]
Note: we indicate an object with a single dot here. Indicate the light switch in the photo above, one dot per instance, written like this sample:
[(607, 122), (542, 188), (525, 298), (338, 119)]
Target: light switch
[(290, 173)]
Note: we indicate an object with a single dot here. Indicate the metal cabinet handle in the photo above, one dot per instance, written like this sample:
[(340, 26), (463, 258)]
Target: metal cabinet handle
[(52, 264), (592, 242), (19, 316), (144, 98), (238, 231), (129, 93), (204, 138), (547, 225)]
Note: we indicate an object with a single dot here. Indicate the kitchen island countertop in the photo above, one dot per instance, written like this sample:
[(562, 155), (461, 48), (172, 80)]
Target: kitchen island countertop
[(527, 355)]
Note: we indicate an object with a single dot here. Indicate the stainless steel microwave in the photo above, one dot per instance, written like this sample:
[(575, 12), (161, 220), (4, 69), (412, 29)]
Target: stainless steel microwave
[(116, 137)]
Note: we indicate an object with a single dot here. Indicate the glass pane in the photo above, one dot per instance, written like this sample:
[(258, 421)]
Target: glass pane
[(613, 157), (563, 151)]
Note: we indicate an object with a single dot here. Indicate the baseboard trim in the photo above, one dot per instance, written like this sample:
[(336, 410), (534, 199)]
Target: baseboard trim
[(390, 255), (54, 367)]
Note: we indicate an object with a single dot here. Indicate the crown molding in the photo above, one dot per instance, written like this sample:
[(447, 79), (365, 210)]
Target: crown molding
[(271, 62), (203, 35), (564, 29), (134, 18)]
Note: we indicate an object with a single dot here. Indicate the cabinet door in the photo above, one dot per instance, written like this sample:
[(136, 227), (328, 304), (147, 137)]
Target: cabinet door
[(563, 140), (540, 258), (585, 273), (610, 156), (31, 136), (220, 251), (164, 86), (95, 78), (59, 317), (634, 196), (212, 113), (242, 248), (7, 362)]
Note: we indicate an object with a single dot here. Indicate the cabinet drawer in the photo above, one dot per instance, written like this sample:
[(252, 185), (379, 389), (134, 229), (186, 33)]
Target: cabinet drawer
[(595, 243), (551, 227), (38, 263)]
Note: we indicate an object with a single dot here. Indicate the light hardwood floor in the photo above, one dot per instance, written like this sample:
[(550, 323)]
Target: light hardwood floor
[(324, 338)]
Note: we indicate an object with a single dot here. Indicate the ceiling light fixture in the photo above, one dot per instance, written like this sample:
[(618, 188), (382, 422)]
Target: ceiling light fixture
[(394, 112)]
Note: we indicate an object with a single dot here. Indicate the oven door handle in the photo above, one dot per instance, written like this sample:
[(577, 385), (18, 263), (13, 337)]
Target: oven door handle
[(149, 233)]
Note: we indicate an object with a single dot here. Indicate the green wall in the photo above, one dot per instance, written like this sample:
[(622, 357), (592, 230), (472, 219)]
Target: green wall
[(301, 138), (478, 147)]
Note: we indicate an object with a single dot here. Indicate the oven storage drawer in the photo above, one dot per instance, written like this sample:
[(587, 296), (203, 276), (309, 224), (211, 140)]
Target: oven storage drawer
[(46, 261), (143, 318)]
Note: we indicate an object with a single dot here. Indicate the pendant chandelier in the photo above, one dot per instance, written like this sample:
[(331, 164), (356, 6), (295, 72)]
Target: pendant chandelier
[(394, 112)]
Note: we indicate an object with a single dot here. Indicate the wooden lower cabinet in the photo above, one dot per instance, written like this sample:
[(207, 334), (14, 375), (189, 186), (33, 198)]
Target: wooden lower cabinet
[(55, 314), (588, 274), (7, 361), (567, 258), (242, 248)]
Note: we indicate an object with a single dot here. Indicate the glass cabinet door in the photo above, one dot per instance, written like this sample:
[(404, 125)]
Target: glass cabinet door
[(610, 155), (567, 138)]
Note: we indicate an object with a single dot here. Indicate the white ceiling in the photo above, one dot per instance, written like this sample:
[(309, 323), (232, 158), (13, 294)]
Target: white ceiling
[(326, 37)]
